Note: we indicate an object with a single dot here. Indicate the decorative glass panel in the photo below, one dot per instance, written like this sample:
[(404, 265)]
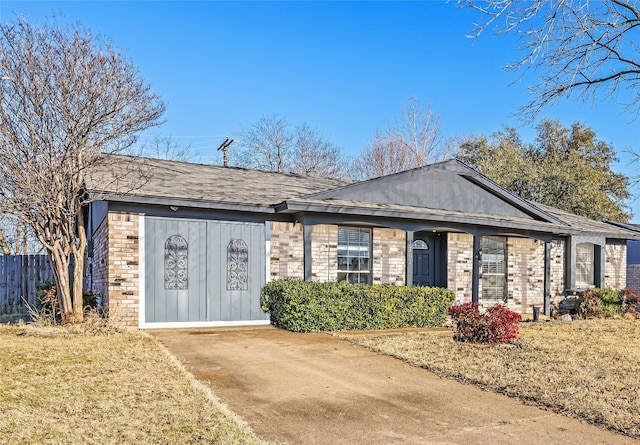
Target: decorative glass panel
[(237, 265), (176, 261), (584, 264), (493, 268), (420, 244)]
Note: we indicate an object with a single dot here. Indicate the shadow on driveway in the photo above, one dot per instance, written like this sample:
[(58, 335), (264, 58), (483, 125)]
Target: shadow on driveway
[(318, 389)]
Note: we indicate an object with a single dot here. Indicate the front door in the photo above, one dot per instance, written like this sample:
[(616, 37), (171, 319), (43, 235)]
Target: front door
[(423, 262)]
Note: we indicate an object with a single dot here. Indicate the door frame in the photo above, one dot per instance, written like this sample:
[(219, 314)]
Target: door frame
[(439, 243)]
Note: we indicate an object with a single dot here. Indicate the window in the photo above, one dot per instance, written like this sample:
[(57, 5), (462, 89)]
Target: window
[(237, 265), (176, 260), (584, 264), (354, 253), (493, 268), (420, 245)]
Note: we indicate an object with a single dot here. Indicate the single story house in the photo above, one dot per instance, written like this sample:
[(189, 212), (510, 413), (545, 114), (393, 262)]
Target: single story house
[(176, 244)]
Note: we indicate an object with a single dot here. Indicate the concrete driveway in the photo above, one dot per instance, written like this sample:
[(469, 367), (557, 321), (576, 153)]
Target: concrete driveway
[(317, 389)]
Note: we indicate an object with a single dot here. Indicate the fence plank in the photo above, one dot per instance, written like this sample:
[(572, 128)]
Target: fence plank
[(19, 275)]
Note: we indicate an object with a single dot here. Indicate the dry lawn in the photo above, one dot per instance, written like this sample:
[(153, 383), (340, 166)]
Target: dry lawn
[(61, 386), (588, 369)]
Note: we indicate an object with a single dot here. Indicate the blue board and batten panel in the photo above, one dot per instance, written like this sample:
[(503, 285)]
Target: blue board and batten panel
[(203, 271), (429, 189)]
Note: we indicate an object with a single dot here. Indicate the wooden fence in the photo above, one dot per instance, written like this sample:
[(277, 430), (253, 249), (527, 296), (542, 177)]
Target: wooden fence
[(19, 275)]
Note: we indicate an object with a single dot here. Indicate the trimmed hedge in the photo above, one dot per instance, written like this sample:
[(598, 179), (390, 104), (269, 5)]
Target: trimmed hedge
[(304, 306)]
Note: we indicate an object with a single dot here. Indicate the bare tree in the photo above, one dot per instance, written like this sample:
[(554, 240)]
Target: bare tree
[(5, 248), (272, 144), (314, 155), (16, 237), (267, 144), (381, 157), (411, 140), (163, 147), (66, 99), (578, 48)]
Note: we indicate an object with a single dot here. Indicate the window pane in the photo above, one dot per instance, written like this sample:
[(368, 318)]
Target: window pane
[(354, 247), (493, 268), (584, 264), (420, 244)]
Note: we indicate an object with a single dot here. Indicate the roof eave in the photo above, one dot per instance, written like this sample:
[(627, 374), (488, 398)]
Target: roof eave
[(296, 207), (199, 204)]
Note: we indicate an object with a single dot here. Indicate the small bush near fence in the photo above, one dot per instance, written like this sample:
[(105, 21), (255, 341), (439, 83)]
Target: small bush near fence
[(302, 306), (497, 325), (596, 303)]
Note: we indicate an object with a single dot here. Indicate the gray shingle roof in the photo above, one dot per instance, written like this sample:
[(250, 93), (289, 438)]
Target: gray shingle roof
[(209, 186), (201, 183), (589, 225)]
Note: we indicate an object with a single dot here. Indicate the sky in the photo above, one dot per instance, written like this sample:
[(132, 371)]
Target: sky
[(344, 68)]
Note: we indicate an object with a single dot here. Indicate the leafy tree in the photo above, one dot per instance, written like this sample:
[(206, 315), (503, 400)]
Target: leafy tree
[(273, 144), (577, 48), (411, 140), (66, 100), (566, 168)]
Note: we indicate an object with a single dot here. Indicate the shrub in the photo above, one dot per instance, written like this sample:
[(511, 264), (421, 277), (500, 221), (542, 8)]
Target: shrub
[(589, 304), (47, 309), (497, 325), (630, 301), (302, 306), (606, 302), (612, 301)]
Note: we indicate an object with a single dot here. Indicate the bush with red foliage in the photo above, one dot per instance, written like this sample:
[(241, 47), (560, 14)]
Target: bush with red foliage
[(497, 325)]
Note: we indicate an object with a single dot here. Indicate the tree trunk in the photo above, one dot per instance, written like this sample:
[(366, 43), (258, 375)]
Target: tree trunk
[(60, 266), (78, 267), (4, 246)]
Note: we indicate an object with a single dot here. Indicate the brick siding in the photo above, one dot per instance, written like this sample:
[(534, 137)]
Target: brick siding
[(557, 265), (633, 276), (389, 256), (615, 266), (123, 276), (460, 265), (286, 250), (525, 274), (324, 252), (98, 263)]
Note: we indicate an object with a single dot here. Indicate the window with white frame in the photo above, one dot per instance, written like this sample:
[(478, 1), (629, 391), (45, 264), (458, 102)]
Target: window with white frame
[(494, 249), (584, 264), (354, 254)]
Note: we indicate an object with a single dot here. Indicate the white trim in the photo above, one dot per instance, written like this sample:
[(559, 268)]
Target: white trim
[(267, 248), (141, 270), (203, 324)]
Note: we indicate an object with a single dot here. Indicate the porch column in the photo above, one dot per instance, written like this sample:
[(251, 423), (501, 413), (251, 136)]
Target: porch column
[(475, 274), (308, 260), (409, 258), (547, 278)]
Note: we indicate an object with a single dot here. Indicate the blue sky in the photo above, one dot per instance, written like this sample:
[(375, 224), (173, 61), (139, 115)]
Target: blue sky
[(344, 68)]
